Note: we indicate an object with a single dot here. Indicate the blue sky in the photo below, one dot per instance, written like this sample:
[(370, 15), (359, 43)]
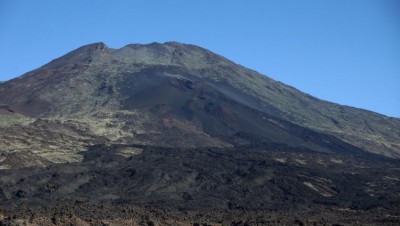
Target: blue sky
[(345, 51)]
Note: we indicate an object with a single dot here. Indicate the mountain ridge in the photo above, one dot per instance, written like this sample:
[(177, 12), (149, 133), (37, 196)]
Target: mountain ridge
[(141, 93)]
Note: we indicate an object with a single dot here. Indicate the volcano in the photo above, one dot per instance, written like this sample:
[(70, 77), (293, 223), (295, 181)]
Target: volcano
[(108, 122)]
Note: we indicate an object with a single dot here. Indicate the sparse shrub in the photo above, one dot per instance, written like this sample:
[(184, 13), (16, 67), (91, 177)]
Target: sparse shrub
[(298, 222), (150, 223)]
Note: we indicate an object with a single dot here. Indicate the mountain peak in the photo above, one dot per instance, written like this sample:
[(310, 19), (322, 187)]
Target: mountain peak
[(83, 54), (168, 53), (92, 48), (98, 45)]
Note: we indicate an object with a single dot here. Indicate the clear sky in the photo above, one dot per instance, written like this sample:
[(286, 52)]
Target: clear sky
[(345, 51)]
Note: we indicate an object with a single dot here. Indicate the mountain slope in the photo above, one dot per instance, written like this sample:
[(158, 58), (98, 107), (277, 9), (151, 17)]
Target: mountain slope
[(173, 134), (173, 95)]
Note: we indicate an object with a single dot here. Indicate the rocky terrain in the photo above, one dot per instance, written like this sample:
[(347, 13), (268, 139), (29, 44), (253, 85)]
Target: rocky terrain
[(82, 214), (184, 185), (173, 134)]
